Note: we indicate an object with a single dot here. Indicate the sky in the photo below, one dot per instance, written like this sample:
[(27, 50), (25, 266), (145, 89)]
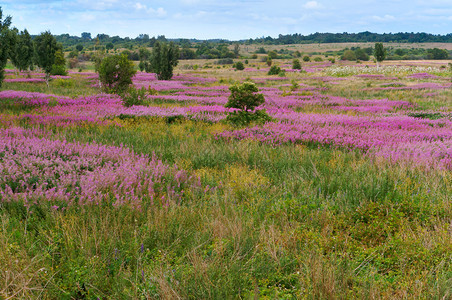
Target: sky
[(232, 20)]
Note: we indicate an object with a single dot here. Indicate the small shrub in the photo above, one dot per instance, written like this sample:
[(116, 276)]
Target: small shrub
[(274, 70), (225, 61), (306, 58), (134, 96), (116, 72), (239, 66), (269, 61), (296, 64), (318, 59)]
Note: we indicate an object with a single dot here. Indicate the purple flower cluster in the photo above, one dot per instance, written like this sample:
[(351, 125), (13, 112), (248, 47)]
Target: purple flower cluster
[(381, 135), (36, 169)]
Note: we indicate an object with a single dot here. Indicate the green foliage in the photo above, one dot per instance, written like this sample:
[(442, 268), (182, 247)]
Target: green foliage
[(269, 61), (436, 53), (4, 50), (134, 96), (272, 54), (59, 67), (116, 72), (243, 96), (306, 58), (243, 118), (46, 46), (239, 66), (296, 64), (144, 55), (361, 54), (225, 61), (349, 55), (274, 70), (79, 47), (164, 58), (379, 52)]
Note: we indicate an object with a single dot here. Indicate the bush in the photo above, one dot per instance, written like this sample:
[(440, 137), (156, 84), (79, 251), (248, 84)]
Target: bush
[(245, 98), (239, 66), (296, 64), (225, 61), (318, 59), (116, 72), (306, 58), (269, 61), (272, 54), (348, 55), (164, 58), (274, 70), (134, 96)]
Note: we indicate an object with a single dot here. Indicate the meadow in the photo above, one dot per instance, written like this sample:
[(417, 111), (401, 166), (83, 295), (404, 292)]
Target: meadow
[(345, 194)]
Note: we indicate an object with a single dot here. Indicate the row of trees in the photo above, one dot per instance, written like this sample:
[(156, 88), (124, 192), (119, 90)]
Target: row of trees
[(24, 53), (116, 71), (361, 37)]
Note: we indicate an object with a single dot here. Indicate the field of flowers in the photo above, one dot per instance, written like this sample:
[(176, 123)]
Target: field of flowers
[(345, 193)]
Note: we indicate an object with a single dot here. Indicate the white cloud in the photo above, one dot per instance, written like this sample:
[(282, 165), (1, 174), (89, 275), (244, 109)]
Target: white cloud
[(385, 18), (159, 12), (312, 5)]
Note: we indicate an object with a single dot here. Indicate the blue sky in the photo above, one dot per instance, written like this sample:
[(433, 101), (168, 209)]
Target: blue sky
[(232, 20)]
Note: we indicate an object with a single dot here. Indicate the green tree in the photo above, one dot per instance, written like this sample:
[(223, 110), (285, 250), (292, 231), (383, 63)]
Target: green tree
[(79, 47), (274, 70), (59, 66), (24, 51), (379, 53), (349, 55), (361, 54), (115, 73), (144, 55), (45, 48), (239, 66), (244, 97), (296, 64), (4, 49), (306, 58), (164, 58)]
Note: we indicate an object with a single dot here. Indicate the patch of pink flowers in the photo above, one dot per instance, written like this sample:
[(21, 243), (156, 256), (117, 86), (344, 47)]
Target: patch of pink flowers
[(36, 169)]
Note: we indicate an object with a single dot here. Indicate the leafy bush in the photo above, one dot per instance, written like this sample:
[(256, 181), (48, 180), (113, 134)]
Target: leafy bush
[(274, 70), (269, 61), (164, 58), (116, 72), (239, 66), (306, 58), (318, 59), (245, 98), (349, 55), (296, 64), (134, 96), (225, 61)]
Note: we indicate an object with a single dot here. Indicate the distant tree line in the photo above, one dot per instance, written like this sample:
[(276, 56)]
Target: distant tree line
[(361, 37)]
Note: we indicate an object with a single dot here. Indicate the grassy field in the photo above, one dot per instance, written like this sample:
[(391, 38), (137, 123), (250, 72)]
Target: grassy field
[(346, 194)]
